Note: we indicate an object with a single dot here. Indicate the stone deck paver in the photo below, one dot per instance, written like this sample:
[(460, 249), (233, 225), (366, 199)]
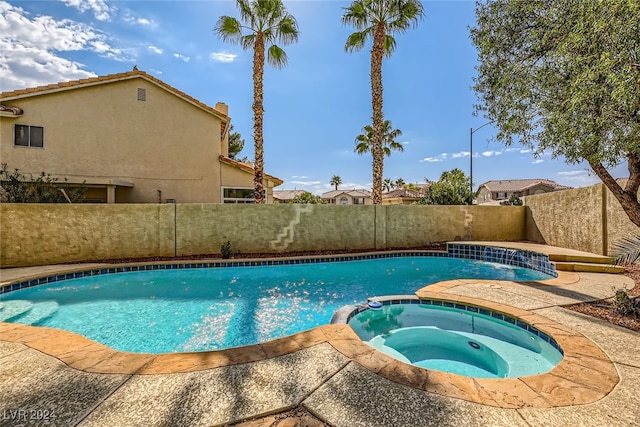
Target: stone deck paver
[(312, 371)]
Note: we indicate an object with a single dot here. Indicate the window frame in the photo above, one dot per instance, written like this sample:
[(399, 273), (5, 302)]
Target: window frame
[(29, 142), (239, 200)]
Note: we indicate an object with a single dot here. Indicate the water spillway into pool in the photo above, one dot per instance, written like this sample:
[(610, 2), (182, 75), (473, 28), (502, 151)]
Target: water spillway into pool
[(198, 309)]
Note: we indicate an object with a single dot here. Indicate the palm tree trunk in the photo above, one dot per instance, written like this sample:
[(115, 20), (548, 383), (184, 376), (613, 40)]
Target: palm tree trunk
[(258, 111), (377, 53)]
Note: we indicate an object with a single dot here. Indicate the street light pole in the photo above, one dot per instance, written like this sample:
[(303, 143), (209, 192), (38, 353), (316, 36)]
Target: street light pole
[(471, 132)]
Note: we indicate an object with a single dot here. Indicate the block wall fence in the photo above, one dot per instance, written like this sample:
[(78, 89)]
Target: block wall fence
[(40, 234), (588, 219)]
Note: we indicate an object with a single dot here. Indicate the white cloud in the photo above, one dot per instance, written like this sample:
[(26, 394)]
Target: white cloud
[(536, 161), (491, 153), (573, 173), (101, 10), (223, 57), (155, 49), (306, 182), (525, 151), (439, 158), (144, 21), (299, 177), (460, 155), (32, 48), (182, 57)]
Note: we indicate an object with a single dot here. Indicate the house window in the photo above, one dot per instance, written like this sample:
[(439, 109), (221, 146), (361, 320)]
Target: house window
[(239, 195), (29, 136), (358, 201), (344, 201)]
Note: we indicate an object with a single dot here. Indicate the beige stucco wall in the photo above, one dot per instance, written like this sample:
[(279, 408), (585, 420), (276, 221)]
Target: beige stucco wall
[(32, 234), (103, 131), (39, 234), (587, 219)]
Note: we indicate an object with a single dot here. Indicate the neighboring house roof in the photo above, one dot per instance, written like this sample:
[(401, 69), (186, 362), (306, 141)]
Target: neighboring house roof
[(287, 194), (94, 81), (402, 193), (515, 185), (353, 193), (248, 167)]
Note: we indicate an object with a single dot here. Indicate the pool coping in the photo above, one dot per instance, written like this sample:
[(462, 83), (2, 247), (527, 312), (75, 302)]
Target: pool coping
[(585, 374)]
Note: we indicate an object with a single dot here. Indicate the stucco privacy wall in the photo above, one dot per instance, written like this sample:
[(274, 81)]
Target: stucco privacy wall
[(44, 234), (39, 234), (587, 219)]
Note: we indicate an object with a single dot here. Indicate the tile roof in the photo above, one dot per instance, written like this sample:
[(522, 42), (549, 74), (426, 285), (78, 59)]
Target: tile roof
[(402, 192), (93, 81), (511, 185), (247, 167), (353, 193), (287, 194)]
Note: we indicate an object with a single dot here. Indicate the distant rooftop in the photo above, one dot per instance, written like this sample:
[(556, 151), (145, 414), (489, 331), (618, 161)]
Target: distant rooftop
[(513, 185)]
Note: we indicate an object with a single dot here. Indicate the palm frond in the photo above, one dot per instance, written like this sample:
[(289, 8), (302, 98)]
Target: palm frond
[(228, 29), (287, 30), (276, 57), (355, 41), (627, 250)]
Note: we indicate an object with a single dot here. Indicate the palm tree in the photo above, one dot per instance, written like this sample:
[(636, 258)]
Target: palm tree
[(399, 183), (387, 184), (389, 135), (378, 20), (335, 180), (264, 22)]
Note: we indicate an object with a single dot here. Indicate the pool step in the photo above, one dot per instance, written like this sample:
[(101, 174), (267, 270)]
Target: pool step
[(39, 311), (586, 259), (588, 267), (13, 308)]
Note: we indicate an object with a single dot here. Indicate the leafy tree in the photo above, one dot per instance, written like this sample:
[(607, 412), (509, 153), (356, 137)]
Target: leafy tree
[(399, 183), (451, 189), (236, 144), (265, 22), (411, 186), (389, 136), (564, 77), (335, 181), (17, 188), (387, 184), (307, 198), (379, 20)]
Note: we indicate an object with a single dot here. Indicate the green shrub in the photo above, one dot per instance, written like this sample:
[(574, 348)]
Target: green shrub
[(225, 250)]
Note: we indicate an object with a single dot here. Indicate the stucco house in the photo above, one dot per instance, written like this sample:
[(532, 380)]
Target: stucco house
[(347, 197), (498, 190), (285, 196), (404, 196), (128, 138)]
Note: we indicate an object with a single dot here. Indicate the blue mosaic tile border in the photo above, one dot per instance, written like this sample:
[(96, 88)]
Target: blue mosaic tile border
[(475, 309), (530, 260), (519, 258)]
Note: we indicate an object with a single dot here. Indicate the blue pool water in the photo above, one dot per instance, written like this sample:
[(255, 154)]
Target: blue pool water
[(457, 341), (214, 308)]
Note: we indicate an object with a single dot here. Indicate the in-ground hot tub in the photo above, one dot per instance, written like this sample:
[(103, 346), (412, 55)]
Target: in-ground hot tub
[(457, 338)]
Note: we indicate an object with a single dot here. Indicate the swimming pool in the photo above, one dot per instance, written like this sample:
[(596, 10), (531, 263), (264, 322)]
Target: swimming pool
[(450, 337), (196, 309)]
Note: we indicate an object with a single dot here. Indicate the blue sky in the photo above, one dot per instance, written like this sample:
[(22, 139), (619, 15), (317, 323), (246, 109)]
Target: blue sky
[(314, 108)]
